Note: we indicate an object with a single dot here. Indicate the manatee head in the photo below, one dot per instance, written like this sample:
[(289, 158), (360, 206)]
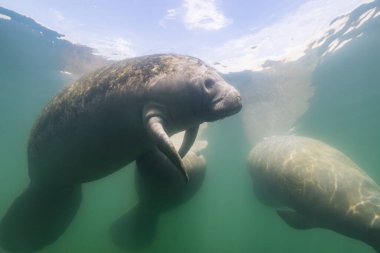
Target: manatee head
[(182, 93), (193, 92), (219, 99)]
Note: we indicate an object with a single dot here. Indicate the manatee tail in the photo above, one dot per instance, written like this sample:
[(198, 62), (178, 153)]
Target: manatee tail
[(38, 217), (135, 229)]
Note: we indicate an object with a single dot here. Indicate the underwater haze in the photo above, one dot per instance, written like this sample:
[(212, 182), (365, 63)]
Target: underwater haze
[(308, 68)]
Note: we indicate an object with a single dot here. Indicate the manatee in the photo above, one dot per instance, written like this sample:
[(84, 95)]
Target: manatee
[(313, 185), (159, 189), (102, 122)]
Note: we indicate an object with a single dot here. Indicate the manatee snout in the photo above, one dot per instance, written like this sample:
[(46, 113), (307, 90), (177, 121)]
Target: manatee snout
[(228, 103), (231, 100)]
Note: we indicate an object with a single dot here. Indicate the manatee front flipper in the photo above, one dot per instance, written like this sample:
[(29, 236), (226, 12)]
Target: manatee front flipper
[(295, 220), (135, 229), (188, 140), (154, 117), (38, 217)]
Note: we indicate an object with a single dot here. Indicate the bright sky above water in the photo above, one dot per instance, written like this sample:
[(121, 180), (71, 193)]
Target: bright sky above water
[(238, 34)]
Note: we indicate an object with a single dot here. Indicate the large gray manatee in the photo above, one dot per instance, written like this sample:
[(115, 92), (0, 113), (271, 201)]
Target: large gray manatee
[(159, 189), (320, 186), (102, 122)]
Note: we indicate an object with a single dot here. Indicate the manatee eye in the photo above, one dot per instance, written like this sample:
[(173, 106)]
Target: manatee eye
[(209, 83)]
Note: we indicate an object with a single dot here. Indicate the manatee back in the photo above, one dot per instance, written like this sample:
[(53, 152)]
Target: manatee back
[(304, 173), (100, 97), (94, 127)]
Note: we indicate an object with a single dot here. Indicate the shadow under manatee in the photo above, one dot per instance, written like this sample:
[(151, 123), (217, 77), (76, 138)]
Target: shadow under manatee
[(160, 187)]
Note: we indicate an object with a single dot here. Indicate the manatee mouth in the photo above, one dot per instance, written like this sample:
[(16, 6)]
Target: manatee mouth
[(217, 100), (230, 108), (225, 106)]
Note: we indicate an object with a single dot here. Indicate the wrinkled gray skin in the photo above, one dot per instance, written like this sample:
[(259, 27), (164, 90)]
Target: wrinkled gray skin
[(102, 122), (320, 186), (159, 189)]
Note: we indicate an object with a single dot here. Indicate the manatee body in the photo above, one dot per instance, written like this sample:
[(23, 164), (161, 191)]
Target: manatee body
[(102, 122), (320, 187), (159, 189)]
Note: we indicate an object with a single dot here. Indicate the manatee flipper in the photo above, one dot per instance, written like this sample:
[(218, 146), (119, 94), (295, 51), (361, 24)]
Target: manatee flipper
[(295, 220), (154, 116), (38, 217), (135, 229), (188, 140)]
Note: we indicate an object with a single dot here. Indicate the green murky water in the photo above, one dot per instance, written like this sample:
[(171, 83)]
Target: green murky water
[(224, 216)]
